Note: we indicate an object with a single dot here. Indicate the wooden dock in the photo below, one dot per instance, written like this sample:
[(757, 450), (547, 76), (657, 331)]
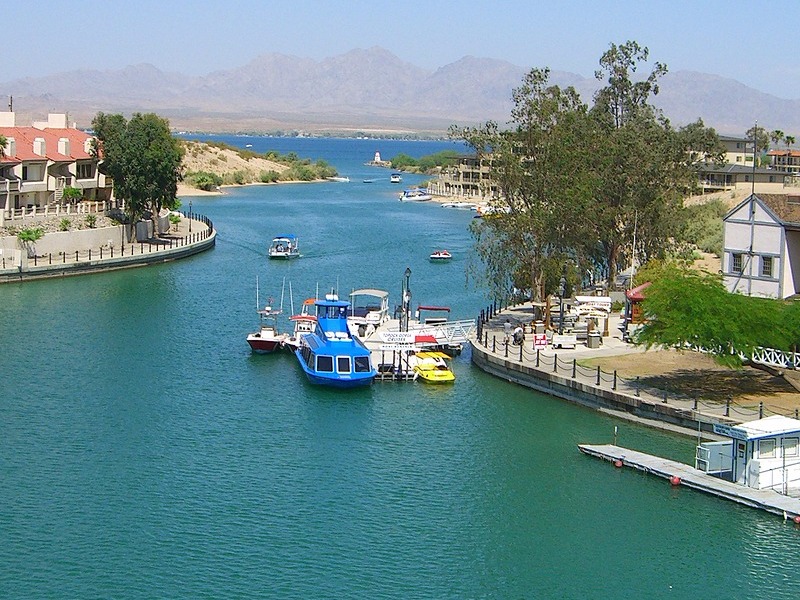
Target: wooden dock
[(771, 501)]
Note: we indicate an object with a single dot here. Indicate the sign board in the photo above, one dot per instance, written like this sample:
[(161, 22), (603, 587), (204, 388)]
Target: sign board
[(729, 431), (398, 337), (539, 341)]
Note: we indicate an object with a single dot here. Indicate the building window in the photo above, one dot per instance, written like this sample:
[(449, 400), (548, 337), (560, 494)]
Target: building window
[(766, 266), (790, 446), (736, 263), (766, 448), (84, 171)]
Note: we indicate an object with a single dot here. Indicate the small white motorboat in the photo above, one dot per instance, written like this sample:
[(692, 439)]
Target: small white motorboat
[(441, 255), (284, 246)]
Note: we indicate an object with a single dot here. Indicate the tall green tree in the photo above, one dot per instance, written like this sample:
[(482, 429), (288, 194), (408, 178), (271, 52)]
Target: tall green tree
[(790, 139), (144, 161), (643, 166), (578, 186), (3, 142), (534, 224)]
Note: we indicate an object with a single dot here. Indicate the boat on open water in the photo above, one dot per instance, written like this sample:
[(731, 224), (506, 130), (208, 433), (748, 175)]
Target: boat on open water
[(284, 247), (441, 256)]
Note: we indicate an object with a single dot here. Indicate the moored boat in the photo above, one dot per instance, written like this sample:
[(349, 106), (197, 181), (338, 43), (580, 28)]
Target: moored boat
[(416, 195), (268, 338), (432, 367), (284, 246), (329, 354)]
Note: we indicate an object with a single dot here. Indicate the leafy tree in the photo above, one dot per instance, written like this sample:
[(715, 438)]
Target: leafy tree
[(28, 238), (143, 159), (644, 166), (687, 308), (3, 142), (537, 221), (760, 135), (72, 194)]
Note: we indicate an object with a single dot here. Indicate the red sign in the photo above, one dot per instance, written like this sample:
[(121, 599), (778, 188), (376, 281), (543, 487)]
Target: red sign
[(539, 341)]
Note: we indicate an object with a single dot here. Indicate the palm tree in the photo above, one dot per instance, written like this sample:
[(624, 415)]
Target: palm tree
[(789, 139), (776, 136)]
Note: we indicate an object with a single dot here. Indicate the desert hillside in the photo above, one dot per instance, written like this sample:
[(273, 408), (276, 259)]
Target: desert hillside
[(225, 162)]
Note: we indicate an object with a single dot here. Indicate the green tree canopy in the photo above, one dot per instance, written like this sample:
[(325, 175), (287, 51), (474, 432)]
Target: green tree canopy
[(688, 308), (580, 185), (143, 159)]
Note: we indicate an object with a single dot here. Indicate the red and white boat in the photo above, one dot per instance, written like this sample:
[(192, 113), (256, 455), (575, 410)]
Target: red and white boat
[(268, 338), (440, 255)]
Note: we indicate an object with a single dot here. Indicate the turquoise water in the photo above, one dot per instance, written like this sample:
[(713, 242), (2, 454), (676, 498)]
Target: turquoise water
[(145, 453)]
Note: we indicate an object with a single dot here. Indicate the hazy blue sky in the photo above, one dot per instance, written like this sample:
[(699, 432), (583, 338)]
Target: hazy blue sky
[(752, 42)]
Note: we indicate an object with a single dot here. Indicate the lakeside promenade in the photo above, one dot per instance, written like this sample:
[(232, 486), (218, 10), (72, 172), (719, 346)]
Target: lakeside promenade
[(563, 373), (94, 250)]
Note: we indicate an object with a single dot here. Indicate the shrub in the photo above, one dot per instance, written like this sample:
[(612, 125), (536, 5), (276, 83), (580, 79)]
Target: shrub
[(91, 221), (64, 225), (269, 176), (203, 180)]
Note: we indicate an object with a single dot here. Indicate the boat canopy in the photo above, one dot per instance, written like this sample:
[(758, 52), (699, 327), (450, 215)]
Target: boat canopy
[(285, 237)]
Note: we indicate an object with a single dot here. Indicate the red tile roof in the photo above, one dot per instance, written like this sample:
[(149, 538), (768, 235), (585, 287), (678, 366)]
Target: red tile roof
[(24, 137)]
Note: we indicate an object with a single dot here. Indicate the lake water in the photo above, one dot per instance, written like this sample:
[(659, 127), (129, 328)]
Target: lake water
[(145, 453)]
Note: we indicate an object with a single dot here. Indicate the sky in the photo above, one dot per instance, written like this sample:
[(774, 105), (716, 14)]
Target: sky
[(752, 42)]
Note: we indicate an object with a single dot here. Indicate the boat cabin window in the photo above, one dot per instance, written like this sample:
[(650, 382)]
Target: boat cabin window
[(362, 364), (325, 364), (790, 446), (766, 448), (343, 364)]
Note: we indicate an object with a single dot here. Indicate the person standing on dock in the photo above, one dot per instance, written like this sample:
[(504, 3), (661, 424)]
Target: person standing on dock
[(507, 330)]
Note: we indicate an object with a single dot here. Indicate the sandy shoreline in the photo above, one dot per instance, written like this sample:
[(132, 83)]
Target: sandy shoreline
[(188, 191)]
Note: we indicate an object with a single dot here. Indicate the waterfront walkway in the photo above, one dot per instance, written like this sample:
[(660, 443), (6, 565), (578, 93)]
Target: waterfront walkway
[(560, 372), (93, 250)]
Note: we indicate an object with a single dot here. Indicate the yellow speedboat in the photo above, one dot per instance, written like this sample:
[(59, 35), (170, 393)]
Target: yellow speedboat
[(431, 367)]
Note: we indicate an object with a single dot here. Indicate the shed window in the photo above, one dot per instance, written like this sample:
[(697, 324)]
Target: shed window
[(766, 448), (790, 446), (736, 263), (766, 266)]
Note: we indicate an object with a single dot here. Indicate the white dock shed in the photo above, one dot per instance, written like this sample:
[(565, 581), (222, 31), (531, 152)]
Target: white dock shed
[(761, 454)]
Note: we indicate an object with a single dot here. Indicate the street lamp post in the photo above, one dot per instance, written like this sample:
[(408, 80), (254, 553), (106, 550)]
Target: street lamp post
[(562, 288), (190, 216), (406, 300)]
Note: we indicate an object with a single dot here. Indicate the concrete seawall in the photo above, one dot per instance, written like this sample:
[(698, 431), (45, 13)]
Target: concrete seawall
[(82, 254), (586, 393)]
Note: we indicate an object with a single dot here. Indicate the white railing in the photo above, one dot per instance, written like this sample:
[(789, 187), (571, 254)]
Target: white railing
[(450, 332), (775, 358)]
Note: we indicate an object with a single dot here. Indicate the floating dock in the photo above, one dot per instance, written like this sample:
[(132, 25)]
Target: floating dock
[(678, 473)]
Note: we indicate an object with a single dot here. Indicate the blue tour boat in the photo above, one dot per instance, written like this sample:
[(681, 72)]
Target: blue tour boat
[(329, 355)]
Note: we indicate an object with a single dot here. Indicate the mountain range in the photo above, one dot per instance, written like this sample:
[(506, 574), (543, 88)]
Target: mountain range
[(364, 90)]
